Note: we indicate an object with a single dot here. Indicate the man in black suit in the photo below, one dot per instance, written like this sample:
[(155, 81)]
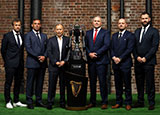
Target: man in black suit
[(97, 44), (147, 41), (12, 53), (122, 46), (36, 63), (57, 51)]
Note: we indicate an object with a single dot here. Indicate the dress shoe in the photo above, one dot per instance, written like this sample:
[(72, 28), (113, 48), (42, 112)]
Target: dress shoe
[(137, 105), (19, 104), (49, 106), (128, 107), (9, 105), (62, 106), (116, 106), (40, 105), (151, 107), (90, 105), (104, 106), (30, 106)]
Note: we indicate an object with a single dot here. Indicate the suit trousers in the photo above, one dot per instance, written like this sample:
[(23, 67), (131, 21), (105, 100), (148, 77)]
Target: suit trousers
[(53, 77), (95, 70), (123, 76), (142, 73), (10, 74), (34, 75)]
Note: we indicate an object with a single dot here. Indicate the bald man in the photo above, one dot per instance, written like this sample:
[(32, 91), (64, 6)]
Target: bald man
[(121, 48), (97, 44)]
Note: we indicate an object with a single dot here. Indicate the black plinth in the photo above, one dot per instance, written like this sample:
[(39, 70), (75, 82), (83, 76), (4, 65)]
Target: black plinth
[(76, 91)]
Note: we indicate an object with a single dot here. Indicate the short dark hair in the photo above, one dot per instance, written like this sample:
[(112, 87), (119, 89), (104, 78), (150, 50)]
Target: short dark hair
[(143, 13), (36, 19), (16, 20)]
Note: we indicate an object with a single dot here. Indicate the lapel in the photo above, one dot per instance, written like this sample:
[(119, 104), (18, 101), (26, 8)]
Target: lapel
[(146, 34), (36, 38), (56, 43), (138, 34), (14, 39), (91, 36)]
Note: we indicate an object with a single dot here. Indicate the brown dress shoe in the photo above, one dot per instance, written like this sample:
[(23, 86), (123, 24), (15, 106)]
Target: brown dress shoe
[(116, 106), (128, 107), (90, 105), (151, 107), (104, 106)]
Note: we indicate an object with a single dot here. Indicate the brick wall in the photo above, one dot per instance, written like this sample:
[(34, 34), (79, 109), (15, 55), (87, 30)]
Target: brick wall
[(78, 11)]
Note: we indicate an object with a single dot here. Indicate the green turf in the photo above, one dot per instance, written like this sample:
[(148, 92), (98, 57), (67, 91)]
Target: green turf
[(93, 111)]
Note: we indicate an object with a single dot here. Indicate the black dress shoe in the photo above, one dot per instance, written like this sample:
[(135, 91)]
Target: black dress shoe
[(30, 106), (49, 107), (137, 105), (151, 107), (62, 106), (40, 105)]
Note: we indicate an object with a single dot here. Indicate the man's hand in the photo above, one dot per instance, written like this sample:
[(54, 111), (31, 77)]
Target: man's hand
[(41, 58), (143, 59), (139, 59), (93, 55), (60, 64), (116, 60)]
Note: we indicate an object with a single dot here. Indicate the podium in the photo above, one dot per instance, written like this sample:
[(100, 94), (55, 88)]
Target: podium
[(76, 91)]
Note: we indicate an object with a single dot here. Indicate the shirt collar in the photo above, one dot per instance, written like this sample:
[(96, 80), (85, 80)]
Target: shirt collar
[(35, 31), (146, 28), (122, 32), (14, 32), (97, 29)]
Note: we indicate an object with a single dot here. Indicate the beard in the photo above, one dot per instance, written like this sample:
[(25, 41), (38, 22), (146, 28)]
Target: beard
[(145, 24)]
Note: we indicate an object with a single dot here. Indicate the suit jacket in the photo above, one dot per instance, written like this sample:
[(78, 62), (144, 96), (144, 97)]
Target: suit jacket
[(12, 54), (122, 48), (148, 46), (53, 52), (101, 46), (34, 49)]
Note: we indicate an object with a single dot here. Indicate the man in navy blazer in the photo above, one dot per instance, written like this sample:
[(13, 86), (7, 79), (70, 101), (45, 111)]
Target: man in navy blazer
[(122, 46), (12, 50), (147, 41), (97, 44), (57, 51), (36, 63)]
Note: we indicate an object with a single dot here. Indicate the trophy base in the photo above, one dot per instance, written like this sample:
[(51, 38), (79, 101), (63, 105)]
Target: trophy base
[(76, 108)]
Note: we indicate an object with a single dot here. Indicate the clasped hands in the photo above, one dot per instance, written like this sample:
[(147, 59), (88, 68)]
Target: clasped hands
[(116, 60), (93, 55), (41, 58), (60, 63), (141, 60)]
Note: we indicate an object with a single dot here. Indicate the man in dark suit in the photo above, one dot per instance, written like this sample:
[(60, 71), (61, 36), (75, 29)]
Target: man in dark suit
[(57, 51), (36, 63), (147, 41), (121, 47), (12, 53), (97, 44)]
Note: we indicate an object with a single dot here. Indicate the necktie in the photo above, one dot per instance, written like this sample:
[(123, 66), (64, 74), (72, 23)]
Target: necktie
[(120, 35), (18, 40), (38, 37), (143, 34), (95, 35)]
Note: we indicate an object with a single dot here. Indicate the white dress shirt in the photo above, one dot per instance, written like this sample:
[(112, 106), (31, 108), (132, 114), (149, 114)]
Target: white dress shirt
[(60, 42), (15, 36)]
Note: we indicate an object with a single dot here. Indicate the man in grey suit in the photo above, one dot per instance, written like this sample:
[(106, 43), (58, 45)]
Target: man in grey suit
[(147, 41), (36, 63)]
